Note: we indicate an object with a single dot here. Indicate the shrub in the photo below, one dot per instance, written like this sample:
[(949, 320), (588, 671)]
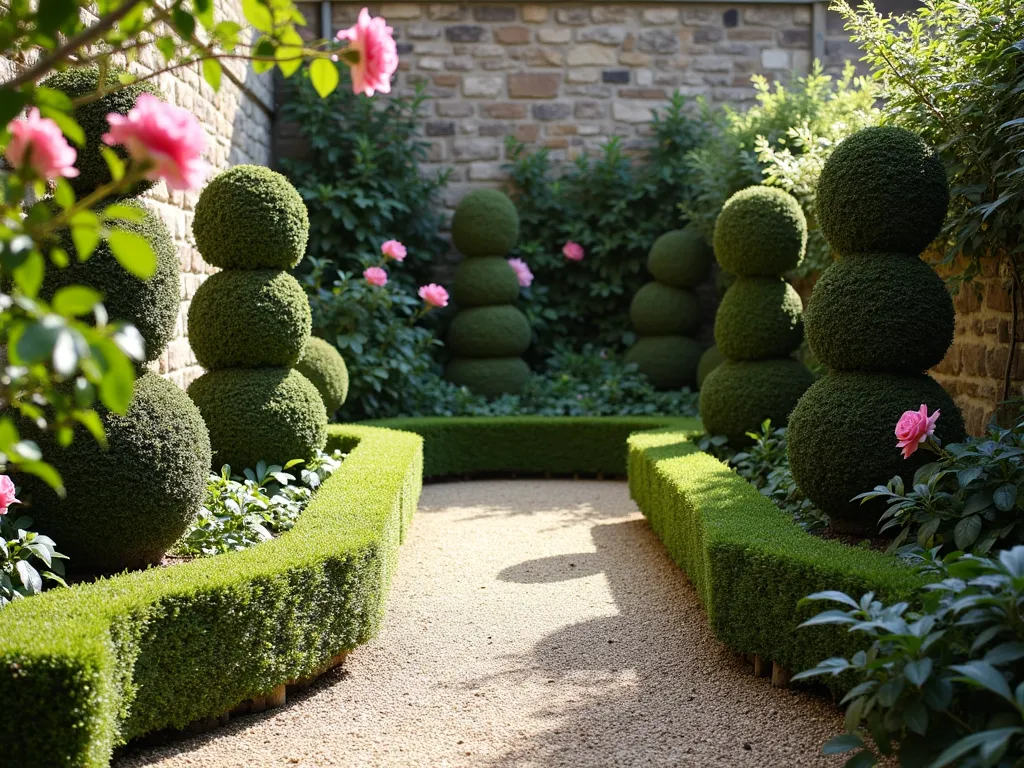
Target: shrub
[(669, 362), (488, 376), (155, 465), (27, 560), (761, 232), (325, 368), (250, 217), (681, 258), (759, 318), (660, 310), (711, 359), (485, 224), (484, 281), (498, 331)]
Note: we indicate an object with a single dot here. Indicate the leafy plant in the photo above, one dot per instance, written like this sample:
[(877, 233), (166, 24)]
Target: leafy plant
[(27, 559)]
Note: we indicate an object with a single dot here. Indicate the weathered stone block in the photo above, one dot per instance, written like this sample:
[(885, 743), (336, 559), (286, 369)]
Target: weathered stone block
[(576, 17), (445, 12), (547, 112), (608, 14), (503, 111), (475, 149), (658, 41), (554, 36), (590, 55), (512, 35), (579, 76), (440, 128), (482, 86), (661, 16), (625, 112), (602, 35), (773, 58), (453, 109), (534, 85), (618, 76), (400, 10), (590, 110), (535, 14), (465, 33)]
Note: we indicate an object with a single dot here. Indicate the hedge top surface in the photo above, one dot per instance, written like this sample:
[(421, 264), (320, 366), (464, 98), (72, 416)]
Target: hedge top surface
[(250, 217), (882, 190), (485, 224), (681, 258), (761, 232)]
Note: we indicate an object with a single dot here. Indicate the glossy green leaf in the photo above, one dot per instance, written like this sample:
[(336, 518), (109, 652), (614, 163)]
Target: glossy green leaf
[(133, 252)]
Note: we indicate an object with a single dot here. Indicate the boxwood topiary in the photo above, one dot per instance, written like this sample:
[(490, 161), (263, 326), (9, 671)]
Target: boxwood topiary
[(859, 318), (248, 319), (499, 331), (669, 362), (273, 414), (325, 368), (711, 359), (128, 504), (738, 395), (150, 305), (681, 258), (660, 310), (489, 376), (761, 231), (485, 281), (759, 318), (841, 440), (92, 117), (485, 224), (882, 190), (250, 217)]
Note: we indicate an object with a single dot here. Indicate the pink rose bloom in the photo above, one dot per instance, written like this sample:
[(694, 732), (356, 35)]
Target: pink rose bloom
[(376, 276), (573, 251), (37, 143), (434, 295), (523, 273), (378, 54), (914, 428), (6, 494), (169, 138), (393, 249)]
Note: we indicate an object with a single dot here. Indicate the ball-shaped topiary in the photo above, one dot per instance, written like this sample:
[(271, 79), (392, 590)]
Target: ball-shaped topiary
[(128, 504), (711, 359), (669, 362), (250, 217), (249, 319), (485, 224), (150, 305), (880, 312), (882, 190), (759, 318), (761, 232), (489, 376), (325, 368), (660, 310), (841, 440), (738, 396), (485, 281), (92, 117), (681, 258), (498, 331), (273, 414)]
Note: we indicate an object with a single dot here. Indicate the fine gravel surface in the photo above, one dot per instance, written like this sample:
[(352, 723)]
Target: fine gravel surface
[(531, 623)]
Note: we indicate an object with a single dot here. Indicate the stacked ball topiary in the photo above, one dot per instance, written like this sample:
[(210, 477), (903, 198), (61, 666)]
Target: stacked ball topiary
[(760, 234), (250, 323), (664, 312), (882, 198), (488, 335), (322, 364)]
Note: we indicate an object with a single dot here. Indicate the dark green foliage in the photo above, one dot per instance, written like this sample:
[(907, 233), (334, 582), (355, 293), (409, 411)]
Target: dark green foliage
[(681, 258), (250, 217), (128, 504), (670, 362), (738, 396), (249, 319), (759, 318), (859, 318), (260, 414), (150, 305), (500, 331), (711, 359), (882, 190), (485, 224), (841, 440), (660, 310), (325, 368), (484, 281), (761, 231), (491, 376), (77, 82), (96, 665)]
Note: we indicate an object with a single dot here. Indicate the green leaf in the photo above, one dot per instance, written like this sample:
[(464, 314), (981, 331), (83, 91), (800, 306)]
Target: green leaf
[(76, 300), (258, 14), (966, 532), (92, 422), (114, 163), (133, 252), (45, 472), (969, 743), (1005, 497), (184, 22), (844, 742), (167, 47), (204, 12), (119, 212), (11, 103), (118, 382), (917, 672), (323, 73), (212, 73), (85, 237), (64, 194), (862, 759), (289, 59), (984, 675), (29, 275), (55, 14)]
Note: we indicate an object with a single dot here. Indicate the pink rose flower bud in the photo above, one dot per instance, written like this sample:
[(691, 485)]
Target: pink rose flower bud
[(6, 494), (378, 54), (523, 273), (434, 295), (573, 251), (914, 428), (37, 143), (167, 138), (376, 276), (393, 249)]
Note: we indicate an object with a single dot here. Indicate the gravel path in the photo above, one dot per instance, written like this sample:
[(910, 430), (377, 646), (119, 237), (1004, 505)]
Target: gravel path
[(531, 624)]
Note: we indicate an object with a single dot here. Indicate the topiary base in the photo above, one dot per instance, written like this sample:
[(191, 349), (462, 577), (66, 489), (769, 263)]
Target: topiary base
[(669, 362), (491, 376)]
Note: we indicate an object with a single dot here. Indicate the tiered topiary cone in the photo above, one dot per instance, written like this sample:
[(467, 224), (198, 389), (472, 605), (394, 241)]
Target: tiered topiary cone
[(128, 504), (664, 312), (488, 335), (249, 323), (878, 319), (760, 234)]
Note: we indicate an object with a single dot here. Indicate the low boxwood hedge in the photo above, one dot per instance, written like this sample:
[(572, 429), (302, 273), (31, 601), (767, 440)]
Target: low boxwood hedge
[(88, 668)]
